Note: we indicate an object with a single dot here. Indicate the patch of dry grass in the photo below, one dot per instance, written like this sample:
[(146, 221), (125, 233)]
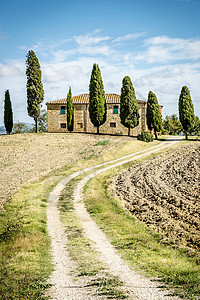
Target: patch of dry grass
[(27, 157)]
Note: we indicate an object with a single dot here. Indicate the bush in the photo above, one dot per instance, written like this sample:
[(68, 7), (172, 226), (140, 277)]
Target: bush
[(102, 143), (20, 127), (145, 136)]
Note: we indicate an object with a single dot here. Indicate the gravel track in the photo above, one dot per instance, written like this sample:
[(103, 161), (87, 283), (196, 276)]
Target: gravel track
[(64, 284), (138, 287)]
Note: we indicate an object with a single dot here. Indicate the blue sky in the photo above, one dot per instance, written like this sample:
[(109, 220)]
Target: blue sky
[(156, 43)]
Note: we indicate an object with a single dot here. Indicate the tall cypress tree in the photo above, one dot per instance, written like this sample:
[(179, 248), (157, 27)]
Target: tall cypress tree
[(154, 119), (8, 114), (35, 92), (186, 110), (70, 112), (129, 113), (97, 102)]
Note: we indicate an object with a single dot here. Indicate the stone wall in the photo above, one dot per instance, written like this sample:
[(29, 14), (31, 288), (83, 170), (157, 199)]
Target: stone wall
[(82, 121), (55, 119)]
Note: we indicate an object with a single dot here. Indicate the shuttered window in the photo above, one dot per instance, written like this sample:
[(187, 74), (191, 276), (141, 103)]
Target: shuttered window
[(115, 109), (63, 110)]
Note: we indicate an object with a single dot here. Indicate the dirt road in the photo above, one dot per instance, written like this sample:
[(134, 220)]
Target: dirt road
[(138, 287)]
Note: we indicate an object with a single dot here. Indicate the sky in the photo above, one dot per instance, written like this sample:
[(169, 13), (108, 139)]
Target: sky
[(154, 42)]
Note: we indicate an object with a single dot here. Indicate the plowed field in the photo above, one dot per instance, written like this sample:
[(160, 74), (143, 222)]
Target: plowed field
[(164, 193)]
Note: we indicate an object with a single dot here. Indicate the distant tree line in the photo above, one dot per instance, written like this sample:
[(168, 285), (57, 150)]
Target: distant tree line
[(187, 122)]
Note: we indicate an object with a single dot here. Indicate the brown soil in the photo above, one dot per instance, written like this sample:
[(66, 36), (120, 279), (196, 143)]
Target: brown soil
[(163, 192), (27, 157)]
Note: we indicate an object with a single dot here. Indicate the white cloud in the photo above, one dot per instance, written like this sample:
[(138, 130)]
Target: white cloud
[(35, 47), (90, 39), (9, 71), (61, 72), (144, 81), (48, 49), (177, 70), (162, 49), (128, 37), (92, 44), (62, 55), (94, 51)]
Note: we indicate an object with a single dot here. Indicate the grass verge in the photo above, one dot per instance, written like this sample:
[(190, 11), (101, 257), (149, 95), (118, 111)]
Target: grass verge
[(138, 245), (99, 281), (25, 263)]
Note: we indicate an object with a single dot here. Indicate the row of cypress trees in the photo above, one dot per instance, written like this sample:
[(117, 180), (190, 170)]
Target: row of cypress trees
[(129, 112)]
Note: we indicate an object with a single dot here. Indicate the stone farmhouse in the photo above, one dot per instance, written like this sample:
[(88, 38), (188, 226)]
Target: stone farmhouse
[(57, 116)]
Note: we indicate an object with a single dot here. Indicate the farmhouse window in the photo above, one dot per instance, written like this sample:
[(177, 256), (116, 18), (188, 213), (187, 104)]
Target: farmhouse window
[(112, 124), (63, 125), (115, 109), (63, 110), (80, 125)]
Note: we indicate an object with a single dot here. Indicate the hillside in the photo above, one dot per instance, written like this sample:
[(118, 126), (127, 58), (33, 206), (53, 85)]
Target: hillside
[(27, 157)]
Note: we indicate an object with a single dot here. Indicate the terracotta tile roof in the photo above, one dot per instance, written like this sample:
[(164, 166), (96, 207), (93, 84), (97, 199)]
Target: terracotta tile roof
[(60, 101), (84, 99), (81, 99)]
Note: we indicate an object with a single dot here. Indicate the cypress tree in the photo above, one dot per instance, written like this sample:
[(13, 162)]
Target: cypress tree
[(70, 112), (186, 110), (8, 114), (154, 119), (35, 92), (129, 113), (97, 102)]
